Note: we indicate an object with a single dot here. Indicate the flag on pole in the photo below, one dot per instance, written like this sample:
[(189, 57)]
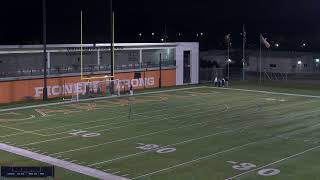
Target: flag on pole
[(244, 41), (264, 41), (227, 39), (244, 34)]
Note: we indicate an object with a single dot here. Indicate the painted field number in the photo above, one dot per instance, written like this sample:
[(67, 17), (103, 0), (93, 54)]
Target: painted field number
[(244, 166), (156, 147), (166, 150), (250, 166), (269, 172), (84, 134)]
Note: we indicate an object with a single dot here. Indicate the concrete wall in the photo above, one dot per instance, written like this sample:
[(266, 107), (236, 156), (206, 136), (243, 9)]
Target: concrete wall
[(194, 49)]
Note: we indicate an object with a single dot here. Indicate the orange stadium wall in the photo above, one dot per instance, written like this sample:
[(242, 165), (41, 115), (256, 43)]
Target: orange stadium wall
[(20, 90)]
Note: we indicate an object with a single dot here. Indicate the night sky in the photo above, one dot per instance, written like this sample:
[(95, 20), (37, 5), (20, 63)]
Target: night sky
[(288, 22)]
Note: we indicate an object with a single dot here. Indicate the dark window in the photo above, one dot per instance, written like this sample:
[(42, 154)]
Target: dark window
[(305, 65), (273, 65)]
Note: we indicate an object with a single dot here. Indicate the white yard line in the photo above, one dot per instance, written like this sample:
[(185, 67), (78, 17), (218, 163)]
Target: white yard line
[(21, 130), (98, 110), (267, 92), (236, 148), (126, 139), (167, 146), (63, 164), (115, 123), (275, 162), (94, 99), (196, 160), (148, 134), (103, 130), (99, 120), (190, 140)]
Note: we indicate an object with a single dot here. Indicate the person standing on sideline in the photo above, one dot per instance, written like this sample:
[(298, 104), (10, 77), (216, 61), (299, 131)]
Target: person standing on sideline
[(227, 82), (131, 90), (215, 81)]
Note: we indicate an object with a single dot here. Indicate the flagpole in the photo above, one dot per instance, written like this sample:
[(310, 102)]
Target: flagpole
[(243, 51), (260, 58), (228, 60)]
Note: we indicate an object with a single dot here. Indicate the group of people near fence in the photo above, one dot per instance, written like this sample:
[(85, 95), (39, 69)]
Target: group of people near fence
[(224, 82)]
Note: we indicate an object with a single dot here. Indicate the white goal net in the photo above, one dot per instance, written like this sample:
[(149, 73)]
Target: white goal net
[(96, 89)]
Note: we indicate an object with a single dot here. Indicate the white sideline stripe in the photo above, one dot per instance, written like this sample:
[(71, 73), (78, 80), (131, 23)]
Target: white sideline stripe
[(63, 164), (268, 92), (30, 132), (147, 122), (195, 160), (93, 99), (275, 162)]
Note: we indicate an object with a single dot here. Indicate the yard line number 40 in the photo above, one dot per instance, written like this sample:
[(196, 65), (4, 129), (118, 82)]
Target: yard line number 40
[(84, 134), (250, 166), (155, 147)]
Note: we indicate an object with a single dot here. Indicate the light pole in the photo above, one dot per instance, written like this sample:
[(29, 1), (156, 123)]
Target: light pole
[(317, 64), (112, 40), (228, 62), (44, 26), (153, 34)]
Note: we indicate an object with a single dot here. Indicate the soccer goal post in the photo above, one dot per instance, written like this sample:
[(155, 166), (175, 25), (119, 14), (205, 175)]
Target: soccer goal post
[(96, 89)]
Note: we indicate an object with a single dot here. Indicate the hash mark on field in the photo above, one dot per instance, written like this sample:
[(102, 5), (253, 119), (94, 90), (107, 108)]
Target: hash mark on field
[(117, 172)]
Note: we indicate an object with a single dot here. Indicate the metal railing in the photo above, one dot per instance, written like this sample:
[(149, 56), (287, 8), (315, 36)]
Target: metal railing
[(87, 69)]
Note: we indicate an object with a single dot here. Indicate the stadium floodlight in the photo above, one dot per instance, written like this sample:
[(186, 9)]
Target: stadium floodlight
[(317, 60), (140, 34), (152, 34), (277, 45), (299, 62), (304, 45), (229, 60), (201, 34)]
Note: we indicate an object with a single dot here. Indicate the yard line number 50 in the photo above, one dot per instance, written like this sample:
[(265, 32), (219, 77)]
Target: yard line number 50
[(250, 166)]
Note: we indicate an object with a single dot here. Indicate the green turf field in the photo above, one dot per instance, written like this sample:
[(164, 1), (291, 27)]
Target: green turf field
[(199, 133)]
